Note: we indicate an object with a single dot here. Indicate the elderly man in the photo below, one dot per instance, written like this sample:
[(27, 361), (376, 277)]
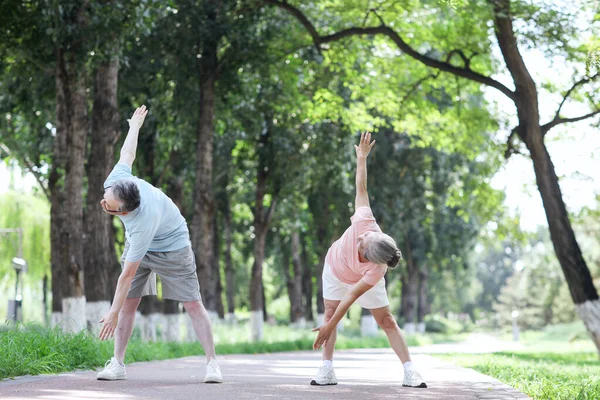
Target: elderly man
[(157, 242)]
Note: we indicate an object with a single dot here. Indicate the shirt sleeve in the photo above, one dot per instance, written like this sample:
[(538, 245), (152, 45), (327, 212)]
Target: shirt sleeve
[(120, 171), (375, 274), (363, 220)]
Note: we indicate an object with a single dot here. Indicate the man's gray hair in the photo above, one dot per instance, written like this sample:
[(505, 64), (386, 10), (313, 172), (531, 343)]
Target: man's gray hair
[(383, 250), (128, 193)]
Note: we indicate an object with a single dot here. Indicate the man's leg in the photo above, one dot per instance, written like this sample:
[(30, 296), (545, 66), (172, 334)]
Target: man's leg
[(125, 327), (202, 326)]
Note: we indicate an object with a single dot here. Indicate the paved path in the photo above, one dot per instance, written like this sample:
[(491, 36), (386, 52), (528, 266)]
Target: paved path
[(363, 374)]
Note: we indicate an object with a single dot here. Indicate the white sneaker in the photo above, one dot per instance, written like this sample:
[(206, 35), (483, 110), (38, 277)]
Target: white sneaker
[(413, 379), (325, 376), (213, 372), (112, 371)]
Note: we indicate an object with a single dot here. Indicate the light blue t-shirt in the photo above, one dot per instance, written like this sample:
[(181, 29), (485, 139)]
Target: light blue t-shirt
[(156, 225)]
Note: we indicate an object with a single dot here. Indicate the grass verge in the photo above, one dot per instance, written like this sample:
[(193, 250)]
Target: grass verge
[(547, 376), (557, 363)]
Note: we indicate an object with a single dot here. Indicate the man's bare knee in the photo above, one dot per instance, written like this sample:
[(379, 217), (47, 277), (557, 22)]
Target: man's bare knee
[(194, 307)]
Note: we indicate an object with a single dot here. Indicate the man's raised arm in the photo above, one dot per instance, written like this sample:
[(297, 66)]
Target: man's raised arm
[(130, 145)]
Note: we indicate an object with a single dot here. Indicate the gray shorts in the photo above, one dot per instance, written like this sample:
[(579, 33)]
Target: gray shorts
[(177, 271)]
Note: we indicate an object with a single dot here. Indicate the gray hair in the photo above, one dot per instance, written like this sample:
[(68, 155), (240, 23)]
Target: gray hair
[(128, 193), (382, 249)]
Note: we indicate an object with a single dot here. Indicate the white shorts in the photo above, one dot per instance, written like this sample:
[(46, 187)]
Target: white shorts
[(334, 289)]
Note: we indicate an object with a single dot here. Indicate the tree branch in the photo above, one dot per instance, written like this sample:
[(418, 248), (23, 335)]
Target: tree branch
[(416, 85), (556, 121), (270, 211), (385, 30), (465, 59), (299, 15), (566, 96), (374, 11)]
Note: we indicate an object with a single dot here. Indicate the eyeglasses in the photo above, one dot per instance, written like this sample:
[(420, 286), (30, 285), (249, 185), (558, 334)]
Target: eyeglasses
[(104, 202)]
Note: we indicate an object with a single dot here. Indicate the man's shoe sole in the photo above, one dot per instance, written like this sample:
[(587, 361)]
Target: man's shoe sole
[(314, 383), (422, 385)]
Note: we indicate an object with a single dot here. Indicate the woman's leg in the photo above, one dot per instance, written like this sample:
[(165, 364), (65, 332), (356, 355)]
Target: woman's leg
[(385, 319), (387, 322), (330, 307)]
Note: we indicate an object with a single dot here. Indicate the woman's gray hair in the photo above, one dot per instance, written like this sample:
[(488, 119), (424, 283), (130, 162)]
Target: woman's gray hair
[(128, 194), (382, 249)]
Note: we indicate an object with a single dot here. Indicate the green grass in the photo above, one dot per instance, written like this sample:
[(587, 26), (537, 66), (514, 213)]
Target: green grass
[(558, 363), (547, 376), (33, 350)]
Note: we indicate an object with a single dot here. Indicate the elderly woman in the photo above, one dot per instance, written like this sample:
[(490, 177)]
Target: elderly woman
[(354, 268)]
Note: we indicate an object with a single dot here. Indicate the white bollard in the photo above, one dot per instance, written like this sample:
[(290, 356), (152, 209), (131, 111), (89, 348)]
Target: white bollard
[(368, 326), (256, 325), (73, 314)]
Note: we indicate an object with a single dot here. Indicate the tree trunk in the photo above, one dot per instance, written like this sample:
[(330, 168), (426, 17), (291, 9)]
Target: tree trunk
[(57, 193), (204, 209), (45, 300), (320, 302), (423, 307), (264, 302), (289, 282), (76, 145), (262, 218), (67, 237), (217, 270), (307, 284), (409, 299), (577, 274), (323, 246), (256, 289), (102, 264), (297, 313), (229, 272)]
